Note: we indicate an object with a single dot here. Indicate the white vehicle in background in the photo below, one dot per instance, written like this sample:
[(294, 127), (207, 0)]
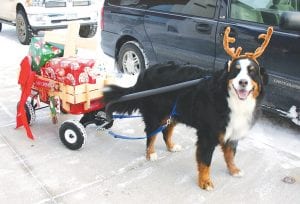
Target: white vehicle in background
[(32, 16)]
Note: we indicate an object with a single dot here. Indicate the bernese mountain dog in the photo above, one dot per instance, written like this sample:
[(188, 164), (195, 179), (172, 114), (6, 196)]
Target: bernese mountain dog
[(222, 108)]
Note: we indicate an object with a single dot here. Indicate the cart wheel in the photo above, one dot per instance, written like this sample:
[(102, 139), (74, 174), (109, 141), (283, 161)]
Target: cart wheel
[(30, 112), (72, 134), (102, 121), (97, 117), (109, 125)]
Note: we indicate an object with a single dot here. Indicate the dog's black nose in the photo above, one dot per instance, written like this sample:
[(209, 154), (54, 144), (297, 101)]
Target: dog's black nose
[(243, 82)]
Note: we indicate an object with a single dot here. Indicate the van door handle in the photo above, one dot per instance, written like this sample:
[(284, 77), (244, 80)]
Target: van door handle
[(203, 27)]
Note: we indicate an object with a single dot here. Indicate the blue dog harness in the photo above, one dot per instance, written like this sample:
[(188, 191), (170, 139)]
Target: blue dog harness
[(159, 129), (150, 93)]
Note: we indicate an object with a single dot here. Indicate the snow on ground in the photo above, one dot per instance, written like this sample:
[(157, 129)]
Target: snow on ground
[(108, 170)]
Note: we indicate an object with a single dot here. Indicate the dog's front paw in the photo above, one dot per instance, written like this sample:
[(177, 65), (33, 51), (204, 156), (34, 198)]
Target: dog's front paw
[(176, 148), (237, 173), (234, 171), (152, 156), (206, 184)]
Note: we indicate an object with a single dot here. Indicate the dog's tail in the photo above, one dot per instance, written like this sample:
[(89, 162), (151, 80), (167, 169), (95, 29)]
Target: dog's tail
[(112, 93)]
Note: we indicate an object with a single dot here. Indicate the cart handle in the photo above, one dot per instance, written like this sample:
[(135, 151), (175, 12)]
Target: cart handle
[(150, 92)]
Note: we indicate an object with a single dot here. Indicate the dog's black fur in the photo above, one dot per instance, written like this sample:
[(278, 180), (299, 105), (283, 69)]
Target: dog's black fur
[(203, 106)]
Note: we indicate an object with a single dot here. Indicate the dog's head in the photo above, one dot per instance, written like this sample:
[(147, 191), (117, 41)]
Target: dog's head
[(245, 78)]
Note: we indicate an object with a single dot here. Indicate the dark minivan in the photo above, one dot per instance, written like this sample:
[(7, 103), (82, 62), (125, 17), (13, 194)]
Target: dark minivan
[(140, 33)]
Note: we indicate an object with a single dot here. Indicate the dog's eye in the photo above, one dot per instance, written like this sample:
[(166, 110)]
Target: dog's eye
[(233, 72), (251, 68), (236, 68), (252, 71)]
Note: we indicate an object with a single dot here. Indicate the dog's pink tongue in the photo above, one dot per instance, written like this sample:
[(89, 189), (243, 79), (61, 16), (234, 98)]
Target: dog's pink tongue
[(243, 94)]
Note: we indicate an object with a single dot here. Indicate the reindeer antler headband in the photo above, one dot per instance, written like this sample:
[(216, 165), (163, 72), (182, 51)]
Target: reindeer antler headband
[(236, 53)]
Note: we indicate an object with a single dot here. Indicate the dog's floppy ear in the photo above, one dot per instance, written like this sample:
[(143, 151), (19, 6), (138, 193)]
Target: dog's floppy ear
[(264, 75)]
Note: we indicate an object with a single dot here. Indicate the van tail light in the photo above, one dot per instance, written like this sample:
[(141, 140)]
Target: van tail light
[(102, 18)]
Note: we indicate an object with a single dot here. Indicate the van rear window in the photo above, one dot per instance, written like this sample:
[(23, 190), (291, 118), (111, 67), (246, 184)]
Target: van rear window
[(201, 8), (262, 11), (130, 3)]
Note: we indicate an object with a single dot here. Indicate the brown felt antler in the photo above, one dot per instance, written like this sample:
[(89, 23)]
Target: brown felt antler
[(259, 51), (231, 51), (236, 53)]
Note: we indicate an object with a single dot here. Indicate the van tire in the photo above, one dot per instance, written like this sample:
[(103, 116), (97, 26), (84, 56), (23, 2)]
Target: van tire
[(131, 60), (0, 27), (23, 28)]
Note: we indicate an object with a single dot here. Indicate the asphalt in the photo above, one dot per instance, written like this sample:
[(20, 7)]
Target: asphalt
[(108, 170)]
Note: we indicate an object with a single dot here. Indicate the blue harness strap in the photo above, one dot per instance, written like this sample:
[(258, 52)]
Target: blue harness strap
[(159, 129), (121, 116)]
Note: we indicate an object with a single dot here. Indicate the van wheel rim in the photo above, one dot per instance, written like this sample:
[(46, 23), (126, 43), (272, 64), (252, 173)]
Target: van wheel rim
[(131, 63), (70, 136)]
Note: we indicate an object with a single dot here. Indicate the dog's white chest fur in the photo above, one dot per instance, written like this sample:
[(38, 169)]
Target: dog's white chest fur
[(240, 118)]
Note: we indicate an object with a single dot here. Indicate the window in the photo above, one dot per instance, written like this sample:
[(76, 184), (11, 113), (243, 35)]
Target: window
[(131, 3), (201, 8), (262, 11)]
